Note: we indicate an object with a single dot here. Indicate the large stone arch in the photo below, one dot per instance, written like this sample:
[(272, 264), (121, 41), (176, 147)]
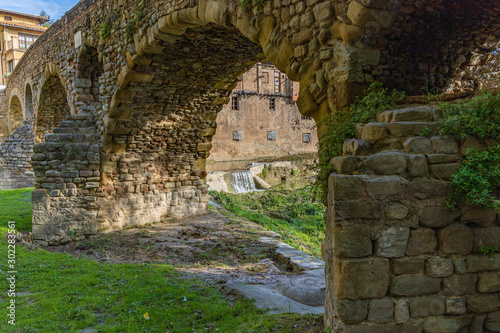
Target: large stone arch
[(28, 101), (53, 106), (16, 112)]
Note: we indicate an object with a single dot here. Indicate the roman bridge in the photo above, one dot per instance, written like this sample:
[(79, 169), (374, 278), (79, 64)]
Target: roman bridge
[(118, 100)]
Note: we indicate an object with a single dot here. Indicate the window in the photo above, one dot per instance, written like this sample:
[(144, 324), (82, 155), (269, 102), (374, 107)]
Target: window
[(7, 18), (26, 40), (272, 103), (305, 118), (306, 137), (235, 103), (271, 135), (237, 135), (265, 77), (11, 66)]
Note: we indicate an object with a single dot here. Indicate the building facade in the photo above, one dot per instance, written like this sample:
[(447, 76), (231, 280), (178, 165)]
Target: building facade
[(17, 32), (262, 119)]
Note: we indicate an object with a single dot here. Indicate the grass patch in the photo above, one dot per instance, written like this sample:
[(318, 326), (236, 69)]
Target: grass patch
[(293, 214)]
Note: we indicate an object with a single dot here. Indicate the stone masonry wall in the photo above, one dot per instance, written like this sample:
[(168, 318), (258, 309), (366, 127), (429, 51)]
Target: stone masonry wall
[(15, 158), (3, 114), (398, 260)]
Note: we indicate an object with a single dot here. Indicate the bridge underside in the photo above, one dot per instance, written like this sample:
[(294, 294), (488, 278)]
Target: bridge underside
[(125, 112)]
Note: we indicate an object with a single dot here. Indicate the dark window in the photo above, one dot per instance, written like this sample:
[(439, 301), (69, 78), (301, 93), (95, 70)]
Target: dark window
[(7, 18), (11, 66), (235, 103), (271, 135), (305, 118), (272, 103), (306, 137), (26, 40), (265, 77), (237, 135)]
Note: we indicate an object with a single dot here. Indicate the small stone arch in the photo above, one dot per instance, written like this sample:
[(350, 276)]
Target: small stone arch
[(28, 102), (53, 106), (16, 112)]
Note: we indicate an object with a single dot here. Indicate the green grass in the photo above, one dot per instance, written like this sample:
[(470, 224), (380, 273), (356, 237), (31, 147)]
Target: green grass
[(62, 293), (293, 214)]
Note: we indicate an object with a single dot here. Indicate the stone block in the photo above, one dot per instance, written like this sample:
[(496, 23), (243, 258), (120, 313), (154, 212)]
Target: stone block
[(386, 163), (392, 243), (344, 164), (383, 187), (438, 217), (415, 285), (482, 303), (444, 144), (439, 267), (352, 241), (455, 239), (347, 187), (381, 310), (408, 265), (323, 11), (480, 263), (358, 209), (492, 322), (488, 282), (446, 324), (480, 216), (489, 236), (374, 132), (351, 312), (421, 241), (402, 311), (407, 128), (396, 212), (427, 306), (356, 147), (361, 278), (419, 145), (455, 306), (443, 158), (426, 188), (417, 166), (459, 285), (444, 171)]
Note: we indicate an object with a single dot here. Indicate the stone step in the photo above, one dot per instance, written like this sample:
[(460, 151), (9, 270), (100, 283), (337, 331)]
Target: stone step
[(417, 113)]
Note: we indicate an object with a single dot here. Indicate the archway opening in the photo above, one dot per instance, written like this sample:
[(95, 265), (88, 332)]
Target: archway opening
[(15, 114), (53, 107), (28, 102)]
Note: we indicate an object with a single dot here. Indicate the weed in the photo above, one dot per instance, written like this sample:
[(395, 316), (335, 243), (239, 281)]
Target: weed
[(105, 31), (488, 249), (265, 172), (137, 16)]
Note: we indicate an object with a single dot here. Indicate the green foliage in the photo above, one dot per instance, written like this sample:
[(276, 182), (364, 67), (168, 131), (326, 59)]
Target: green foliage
[(105, 31), (296, 215), (341, 125), (479, 174), (137, 16), (15, 205), (73, 152), (295, 172), (488, 249), (265, 172)]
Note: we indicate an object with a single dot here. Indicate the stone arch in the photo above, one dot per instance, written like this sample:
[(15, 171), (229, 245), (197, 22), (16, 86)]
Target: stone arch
[(16, 112), (53, 106), (28, 102)]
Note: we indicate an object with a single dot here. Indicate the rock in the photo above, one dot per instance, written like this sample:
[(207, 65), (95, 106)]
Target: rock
[(492, 322), (407, 128), (427, 306), (488, 282), (392, 242), (361, 278), (439, 267), (356, 147), (419, 145), (443, 158), (480, 216), (383, 187), (381, 310), (386, 163), (438, 217), (358, 209), (459, 285), (65, 240), (426, 188), (396, 212), (445, 324), (417, 166), (444, 144), (482, 303), (479, 263), (444, 171), (344, 164), (374, 132), (422, 241), (455, 306), (414, 285), (408, 265), (489, 236), (402, 311), (352, 241), (350, 312), (455, 239), (347, 187)]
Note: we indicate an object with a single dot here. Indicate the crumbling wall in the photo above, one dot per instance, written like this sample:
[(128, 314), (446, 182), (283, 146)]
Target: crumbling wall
[(398, 260)]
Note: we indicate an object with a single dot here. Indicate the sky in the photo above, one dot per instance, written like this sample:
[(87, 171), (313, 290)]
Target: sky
[(55, 8)]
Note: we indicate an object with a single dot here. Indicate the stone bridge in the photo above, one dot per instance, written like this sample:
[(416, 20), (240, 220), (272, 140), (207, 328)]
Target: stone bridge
[(119, 101)]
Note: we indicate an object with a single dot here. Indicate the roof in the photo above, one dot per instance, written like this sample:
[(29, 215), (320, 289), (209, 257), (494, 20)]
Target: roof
[(23, 25), (43, 18)]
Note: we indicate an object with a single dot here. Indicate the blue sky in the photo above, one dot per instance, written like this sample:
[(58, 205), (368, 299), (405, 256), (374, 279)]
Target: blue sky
[(55, 8)]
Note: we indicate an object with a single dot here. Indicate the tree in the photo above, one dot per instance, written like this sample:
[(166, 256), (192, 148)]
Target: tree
[(49, 22)]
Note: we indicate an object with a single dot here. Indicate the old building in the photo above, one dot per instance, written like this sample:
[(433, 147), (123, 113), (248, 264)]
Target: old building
[(262, 119), (17, 32)]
